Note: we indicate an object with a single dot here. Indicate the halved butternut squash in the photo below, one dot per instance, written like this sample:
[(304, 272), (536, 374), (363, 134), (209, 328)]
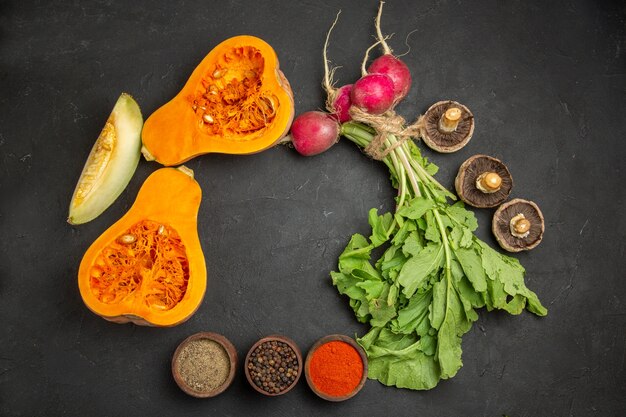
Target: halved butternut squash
[(148, 268), (237, 101)]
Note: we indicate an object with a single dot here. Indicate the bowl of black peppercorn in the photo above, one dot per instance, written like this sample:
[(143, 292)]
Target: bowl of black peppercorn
[(273, 365)]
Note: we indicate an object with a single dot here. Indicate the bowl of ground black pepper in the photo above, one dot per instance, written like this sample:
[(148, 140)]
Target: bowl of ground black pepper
[(204, 364), (273, 365), (336, 367)]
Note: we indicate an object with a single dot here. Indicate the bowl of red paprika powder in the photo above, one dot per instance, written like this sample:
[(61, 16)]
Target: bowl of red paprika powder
[(336, 367)]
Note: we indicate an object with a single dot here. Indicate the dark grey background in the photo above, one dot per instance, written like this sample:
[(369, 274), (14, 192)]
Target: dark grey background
[(546, 82)]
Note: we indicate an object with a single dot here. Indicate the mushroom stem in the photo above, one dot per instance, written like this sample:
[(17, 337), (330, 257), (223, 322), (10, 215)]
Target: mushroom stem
[(450, 120), (488, 182), (520, 226)]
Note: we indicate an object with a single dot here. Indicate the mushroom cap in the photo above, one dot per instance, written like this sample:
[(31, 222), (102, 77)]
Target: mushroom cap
[(442, 141), (465, 182), (501, 227)]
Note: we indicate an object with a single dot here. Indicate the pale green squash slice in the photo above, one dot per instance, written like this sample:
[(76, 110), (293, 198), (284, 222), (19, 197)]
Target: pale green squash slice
[(111, 162)]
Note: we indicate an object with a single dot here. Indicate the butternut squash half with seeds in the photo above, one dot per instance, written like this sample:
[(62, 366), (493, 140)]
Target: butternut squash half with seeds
[(237, 101), (148, 267)]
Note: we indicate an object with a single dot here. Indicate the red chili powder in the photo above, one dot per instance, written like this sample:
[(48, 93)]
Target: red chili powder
[(336, 368)]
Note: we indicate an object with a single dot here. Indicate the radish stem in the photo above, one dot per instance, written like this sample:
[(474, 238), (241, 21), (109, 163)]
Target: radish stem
[(407, 166), (362, 136), (401, 176), (426, 177)]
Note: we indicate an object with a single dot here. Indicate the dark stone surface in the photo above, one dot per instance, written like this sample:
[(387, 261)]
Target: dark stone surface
[(547, 84)]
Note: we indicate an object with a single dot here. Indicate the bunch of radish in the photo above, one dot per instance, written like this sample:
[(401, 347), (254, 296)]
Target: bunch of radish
[(421, 295), (383, 84)]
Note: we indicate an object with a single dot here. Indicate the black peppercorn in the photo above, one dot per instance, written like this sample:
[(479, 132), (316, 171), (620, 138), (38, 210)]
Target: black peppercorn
[(272, 366)]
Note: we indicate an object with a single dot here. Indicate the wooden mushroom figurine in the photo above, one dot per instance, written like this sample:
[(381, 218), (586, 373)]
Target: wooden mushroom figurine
[(448, 126), (483, 181), (518, 225)]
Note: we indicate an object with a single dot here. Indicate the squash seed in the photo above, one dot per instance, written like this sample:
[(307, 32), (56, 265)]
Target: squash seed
[(127, 239), (220, 72)]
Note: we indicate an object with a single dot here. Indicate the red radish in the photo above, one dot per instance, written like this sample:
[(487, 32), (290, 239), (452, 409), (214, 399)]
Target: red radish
[(313, 132), (373, 93), (342, 102), (388, 65), (396, 70)]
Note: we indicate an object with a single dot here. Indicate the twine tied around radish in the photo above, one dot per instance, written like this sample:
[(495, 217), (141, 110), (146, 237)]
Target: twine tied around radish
[(389, 123)]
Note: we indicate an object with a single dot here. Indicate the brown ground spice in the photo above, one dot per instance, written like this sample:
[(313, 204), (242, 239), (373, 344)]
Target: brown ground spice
[(204, 365)]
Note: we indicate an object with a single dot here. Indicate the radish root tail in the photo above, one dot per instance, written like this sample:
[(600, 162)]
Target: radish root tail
[(406, 42), (328, 71), (381, 38), (367, 57)]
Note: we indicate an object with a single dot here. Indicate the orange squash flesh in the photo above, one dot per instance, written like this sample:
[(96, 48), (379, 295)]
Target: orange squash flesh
[(236, 101), (148, 268)]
